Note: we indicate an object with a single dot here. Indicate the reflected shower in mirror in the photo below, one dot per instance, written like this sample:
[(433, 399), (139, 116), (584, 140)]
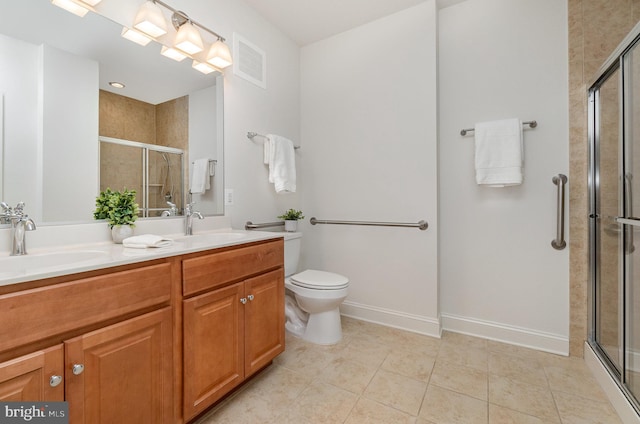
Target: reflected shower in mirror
[(58, 81)]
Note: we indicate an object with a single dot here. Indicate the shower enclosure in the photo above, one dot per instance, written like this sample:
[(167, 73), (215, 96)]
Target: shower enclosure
[(614, 183), (155, 172)]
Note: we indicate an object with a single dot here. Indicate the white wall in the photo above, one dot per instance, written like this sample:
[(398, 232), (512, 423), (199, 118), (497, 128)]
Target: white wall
[(499, 276), (69, 130), (19, 85), (369, 152), (248, 107)]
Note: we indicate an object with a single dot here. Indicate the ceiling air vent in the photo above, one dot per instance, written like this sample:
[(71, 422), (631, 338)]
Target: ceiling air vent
[(249, 61)]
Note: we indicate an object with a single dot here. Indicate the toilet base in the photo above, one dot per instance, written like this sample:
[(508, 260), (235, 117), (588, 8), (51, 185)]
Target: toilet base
[(324, 328)]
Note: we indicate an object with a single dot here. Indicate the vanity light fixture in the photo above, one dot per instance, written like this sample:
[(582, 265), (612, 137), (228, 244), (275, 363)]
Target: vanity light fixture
[(150, 23), (77, 7), (135, 36), (188, 38), (116, 84), (203, 67), (172, 53), (150, 19), (219, 55)]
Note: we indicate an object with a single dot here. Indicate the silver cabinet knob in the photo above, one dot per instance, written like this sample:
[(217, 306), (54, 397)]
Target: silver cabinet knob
[(250, 297), (243, 300), (55, 380), (77, 369)]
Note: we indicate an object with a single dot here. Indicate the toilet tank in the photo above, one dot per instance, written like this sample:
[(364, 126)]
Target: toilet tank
[(292, 243)]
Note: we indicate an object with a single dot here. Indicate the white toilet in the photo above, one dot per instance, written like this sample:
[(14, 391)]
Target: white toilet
[(315, 313)]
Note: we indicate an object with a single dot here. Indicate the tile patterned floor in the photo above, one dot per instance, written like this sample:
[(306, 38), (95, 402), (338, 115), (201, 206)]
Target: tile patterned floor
[(381, 375)]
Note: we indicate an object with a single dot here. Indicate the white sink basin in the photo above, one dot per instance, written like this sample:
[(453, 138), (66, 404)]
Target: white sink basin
[(12, 266)]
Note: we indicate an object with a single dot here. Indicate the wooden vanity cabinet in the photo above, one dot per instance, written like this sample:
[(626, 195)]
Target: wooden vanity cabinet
[(38, 376), (236, 326), (155, 342), (126, 374), (110, 352)]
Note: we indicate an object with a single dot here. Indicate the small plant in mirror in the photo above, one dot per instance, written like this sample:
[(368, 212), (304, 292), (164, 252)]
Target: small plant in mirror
[(117, 207), (292, 215)]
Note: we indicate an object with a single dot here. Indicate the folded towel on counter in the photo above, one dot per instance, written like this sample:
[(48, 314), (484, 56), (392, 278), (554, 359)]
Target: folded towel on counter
[(146, 240), (499, 153), (282, 164), (200, 181)]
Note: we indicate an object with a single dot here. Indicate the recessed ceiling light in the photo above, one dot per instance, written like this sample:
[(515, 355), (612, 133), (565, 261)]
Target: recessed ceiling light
[(116, 84)]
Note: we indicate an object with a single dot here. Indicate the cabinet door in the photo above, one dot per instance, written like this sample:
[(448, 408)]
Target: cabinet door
[(127, 375), (264, 320), (213, 347), (29, 377)]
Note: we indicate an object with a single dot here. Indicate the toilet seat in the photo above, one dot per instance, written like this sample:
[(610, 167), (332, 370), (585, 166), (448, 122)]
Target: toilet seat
[(319, 280)]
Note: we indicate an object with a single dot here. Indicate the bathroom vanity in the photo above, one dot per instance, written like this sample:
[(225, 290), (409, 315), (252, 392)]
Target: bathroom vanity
[(157, 337)]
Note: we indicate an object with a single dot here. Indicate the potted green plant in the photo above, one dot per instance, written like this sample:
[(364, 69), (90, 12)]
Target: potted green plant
[(120, 210), (291, 218)]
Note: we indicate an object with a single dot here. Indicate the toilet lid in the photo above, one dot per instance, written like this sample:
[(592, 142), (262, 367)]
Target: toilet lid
[(313, 279)]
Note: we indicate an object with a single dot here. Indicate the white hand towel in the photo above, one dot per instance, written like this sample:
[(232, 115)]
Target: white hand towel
[(146, 240), (499, 153), (282, 164), (267, 151), (200, 176)]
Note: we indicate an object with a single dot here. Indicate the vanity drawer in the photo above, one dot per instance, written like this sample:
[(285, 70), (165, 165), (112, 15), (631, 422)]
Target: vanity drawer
[(31, 315), (217, 269)]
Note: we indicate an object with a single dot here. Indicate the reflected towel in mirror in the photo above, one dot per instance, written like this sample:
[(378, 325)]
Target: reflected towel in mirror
[(200, 176)]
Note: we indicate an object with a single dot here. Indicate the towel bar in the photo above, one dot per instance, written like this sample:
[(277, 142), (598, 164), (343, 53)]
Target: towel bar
[(420, 224), (251, 135), (532, 124)]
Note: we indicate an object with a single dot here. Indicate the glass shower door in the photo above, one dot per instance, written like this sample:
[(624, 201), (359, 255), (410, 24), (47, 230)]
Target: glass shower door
[(631, 81), (608, 232)]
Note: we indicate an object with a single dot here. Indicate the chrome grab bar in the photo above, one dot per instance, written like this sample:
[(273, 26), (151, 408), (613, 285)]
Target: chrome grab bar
[(251, 226), (420, 224), (560, 180)]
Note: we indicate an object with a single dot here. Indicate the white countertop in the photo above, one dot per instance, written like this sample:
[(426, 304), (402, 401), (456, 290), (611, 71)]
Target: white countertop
[(47, 262)]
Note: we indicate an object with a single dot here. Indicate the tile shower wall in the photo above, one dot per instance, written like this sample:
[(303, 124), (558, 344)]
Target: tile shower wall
[(165, 124), (595, 29)]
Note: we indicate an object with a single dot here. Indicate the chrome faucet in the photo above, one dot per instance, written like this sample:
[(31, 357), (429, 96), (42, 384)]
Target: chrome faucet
[(20, 224), (172, 211), (188, 218)]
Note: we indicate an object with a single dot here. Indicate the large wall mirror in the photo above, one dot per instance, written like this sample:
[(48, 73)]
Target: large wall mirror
[(66, 133)]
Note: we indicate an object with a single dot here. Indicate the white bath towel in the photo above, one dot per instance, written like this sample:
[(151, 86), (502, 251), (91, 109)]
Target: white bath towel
[(282, 164), (200, 176), (267, 150), (499, 153), (146, 240)]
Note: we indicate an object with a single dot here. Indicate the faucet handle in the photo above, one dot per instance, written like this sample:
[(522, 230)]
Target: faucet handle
[(5, 207), (19, 209)]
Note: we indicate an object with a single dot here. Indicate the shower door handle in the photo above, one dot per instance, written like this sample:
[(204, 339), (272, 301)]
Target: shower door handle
[(628, 221), (558, 243), (628, 202)]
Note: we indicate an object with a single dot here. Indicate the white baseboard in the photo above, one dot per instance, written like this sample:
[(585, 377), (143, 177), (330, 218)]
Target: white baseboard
[(617, 398), (525, 337), (390, 318)]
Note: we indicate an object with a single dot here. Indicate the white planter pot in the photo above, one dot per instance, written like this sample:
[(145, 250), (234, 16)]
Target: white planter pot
[(291, 225), (121, 232)]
